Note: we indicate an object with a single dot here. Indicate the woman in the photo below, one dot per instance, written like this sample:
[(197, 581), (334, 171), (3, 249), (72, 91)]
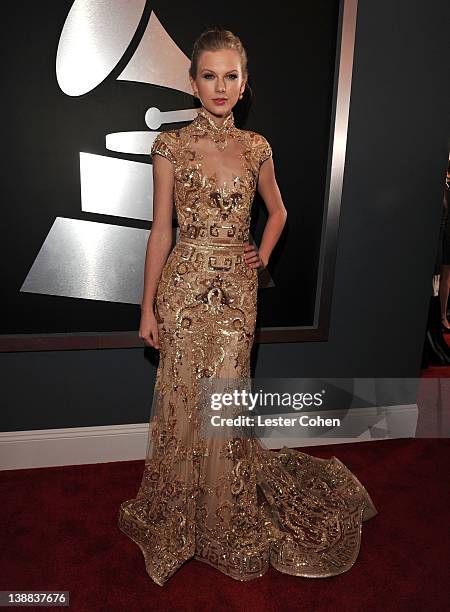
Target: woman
[(225, 501)]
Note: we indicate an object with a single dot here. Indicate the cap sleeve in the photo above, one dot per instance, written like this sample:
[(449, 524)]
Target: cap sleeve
[(263, 149), (162, 146)]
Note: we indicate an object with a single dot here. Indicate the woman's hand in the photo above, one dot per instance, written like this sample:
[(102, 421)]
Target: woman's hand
[(252, 257), (148, 329)]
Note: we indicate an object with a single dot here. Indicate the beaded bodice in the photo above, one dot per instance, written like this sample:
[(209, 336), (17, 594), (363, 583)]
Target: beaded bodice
[(216, 172)]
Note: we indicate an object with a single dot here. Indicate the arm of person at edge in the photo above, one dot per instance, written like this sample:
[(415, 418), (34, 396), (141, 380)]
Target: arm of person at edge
[(158, 246)]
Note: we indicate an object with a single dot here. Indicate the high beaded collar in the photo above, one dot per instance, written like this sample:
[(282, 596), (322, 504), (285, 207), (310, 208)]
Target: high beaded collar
[(203, 120)]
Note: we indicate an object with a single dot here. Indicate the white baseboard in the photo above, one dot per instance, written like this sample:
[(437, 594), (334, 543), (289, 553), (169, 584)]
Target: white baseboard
[(85, 445)]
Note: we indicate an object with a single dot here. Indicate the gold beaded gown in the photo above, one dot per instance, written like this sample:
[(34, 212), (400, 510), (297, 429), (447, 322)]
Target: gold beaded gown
[(228, 502)]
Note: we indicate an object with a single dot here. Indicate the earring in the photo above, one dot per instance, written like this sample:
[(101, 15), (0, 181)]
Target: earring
[(240, 97)]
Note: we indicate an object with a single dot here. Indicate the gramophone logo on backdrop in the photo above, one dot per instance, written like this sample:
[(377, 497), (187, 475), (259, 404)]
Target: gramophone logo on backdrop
[(95, 260)]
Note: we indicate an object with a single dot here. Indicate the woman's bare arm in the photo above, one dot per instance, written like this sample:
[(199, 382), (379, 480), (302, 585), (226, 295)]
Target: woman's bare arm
[(160, 239), (268, 188)]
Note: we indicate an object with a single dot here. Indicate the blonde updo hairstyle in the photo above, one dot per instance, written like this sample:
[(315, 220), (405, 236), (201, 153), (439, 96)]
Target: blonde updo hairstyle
[(216, 39)]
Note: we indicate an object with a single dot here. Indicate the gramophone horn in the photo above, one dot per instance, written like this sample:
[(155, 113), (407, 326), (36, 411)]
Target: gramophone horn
[(158, 60)]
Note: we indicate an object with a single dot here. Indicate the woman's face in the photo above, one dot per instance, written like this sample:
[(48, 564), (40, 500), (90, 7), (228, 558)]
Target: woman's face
[(219, 76)]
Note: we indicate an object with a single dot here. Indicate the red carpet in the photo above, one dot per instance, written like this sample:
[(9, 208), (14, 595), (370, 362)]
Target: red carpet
[(59, 533)]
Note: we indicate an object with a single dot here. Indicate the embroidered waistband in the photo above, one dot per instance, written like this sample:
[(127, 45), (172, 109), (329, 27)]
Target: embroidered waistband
[(209, 245), (213, 257)]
